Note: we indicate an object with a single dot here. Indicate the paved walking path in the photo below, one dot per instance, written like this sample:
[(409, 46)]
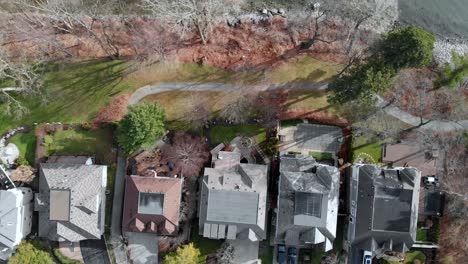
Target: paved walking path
[(116, 221), (434, 125)]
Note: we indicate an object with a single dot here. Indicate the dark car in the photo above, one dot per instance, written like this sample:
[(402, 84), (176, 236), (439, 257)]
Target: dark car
[(281, 257), (292, 255)]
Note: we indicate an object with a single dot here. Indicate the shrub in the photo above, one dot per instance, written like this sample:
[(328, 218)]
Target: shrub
[(28, 253), (141, 126), (407, 47)]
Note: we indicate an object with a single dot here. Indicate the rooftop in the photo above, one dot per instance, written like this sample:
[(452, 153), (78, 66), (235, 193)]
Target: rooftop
[(71, 201), (232, 207), (384, 208), (307, 202), (152, 204), (233, 198)]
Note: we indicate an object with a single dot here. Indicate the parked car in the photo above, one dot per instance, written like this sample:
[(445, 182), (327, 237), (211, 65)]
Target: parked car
[(367, 258), (292, 255), (281, 256), (431, 180)]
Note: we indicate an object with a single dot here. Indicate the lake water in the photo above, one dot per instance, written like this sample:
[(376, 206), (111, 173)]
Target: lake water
[(448, 18)]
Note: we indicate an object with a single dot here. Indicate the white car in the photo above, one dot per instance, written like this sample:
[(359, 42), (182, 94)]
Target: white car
[(367, 258)]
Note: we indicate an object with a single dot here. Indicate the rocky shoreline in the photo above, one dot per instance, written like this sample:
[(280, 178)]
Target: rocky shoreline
[(443, 49)]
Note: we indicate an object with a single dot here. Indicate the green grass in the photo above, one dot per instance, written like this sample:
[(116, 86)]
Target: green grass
[(267, 257), (319, 156), (410, 256), (206, 246), (291, 122), (303, 69), (64, 259), (362, 146), (224, 134), (421, 234), (80, 141), (26, 144)]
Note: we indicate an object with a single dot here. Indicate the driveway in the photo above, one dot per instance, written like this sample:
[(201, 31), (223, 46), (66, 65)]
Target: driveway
[(94, 251), (245, 251), (143, 247), (117, 204)]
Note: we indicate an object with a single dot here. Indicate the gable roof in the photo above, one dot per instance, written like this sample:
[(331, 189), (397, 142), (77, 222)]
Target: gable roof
[(15, 218), (384, 206), (84, 186), (307, 201), (233, 198), (152, 204)]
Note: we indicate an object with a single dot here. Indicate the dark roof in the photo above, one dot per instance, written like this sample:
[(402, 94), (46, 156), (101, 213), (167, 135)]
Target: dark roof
[(384, 208), (152, 204)]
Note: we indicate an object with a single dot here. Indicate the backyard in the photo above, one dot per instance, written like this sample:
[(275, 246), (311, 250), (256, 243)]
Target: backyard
[(224, 134)]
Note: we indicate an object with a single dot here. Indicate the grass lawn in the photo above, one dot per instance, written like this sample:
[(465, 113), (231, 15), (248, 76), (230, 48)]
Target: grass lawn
[(206, 246), (410, 256), (62, 259), (421, 234), (224, 134), (82, 142), (307, 100), (365, 147), (319, 156), (303, 69), (26, 144), (111, 170)]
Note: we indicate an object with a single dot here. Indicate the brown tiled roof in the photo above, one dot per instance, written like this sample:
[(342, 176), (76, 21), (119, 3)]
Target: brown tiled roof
[(166, 223)]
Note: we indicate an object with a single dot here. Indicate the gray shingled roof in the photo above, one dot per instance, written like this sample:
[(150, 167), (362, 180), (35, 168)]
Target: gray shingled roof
[(384, 209), (233, 198), (307, 202), (86, 185)]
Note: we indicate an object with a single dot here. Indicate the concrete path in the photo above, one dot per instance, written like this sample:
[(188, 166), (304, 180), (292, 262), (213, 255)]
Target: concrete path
[(143, 247), (245, 251), (117, 206), (434, 125)]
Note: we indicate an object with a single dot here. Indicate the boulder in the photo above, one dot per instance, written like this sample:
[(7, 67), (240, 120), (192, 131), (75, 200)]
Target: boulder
[(9, 154)]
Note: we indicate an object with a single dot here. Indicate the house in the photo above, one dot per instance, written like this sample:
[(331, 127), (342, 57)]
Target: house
[(233, 199), (71, 201), (383, 207), (306, 138), (307, 202), (152, 205), (406, 154), (16, 206)]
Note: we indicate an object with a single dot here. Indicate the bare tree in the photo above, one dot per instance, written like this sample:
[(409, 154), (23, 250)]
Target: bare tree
[(188, 15), (74, 17), (239, 108), (189, 153), (199, 112), (25, 78)]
